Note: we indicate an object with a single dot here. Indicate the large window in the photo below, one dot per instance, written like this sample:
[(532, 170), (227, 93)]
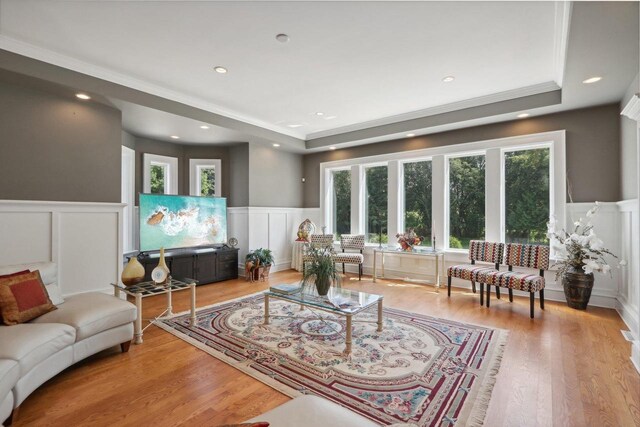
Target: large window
[(526, 196), (376, 204), (466, 200), (341, 203), (417, 199)]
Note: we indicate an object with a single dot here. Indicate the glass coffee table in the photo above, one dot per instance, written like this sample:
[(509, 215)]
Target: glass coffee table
[(342, 302)]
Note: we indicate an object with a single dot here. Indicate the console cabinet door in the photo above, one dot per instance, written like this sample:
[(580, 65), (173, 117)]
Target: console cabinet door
[(227, 265), (206, 268), (181, 267)]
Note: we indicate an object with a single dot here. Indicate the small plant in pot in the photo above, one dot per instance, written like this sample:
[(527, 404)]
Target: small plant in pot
[(320, 272), (580, 254), (258, 264)]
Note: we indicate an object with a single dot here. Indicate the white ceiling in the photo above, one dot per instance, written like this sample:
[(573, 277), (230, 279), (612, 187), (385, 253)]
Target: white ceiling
[(357, 61)]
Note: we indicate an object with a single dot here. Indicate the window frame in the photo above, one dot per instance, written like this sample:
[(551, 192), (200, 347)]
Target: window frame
[(170, 165), (440, 185), (195, 183)]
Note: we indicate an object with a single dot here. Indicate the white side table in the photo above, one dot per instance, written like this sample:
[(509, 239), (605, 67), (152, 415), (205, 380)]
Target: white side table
[(296, 256)]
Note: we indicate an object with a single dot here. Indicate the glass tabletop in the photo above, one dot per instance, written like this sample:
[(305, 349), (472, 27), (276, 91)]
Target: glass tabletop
[(424, 252), (151, 288), (339, 300)]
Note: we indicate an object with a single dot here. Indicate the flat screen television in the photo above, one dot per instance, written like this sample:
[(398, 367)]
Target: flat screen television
[(173, 222)]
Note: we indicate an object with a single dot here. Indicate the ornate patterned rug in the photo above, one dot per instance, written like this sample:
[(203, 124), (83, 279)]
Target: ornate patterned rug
[(420, 369)]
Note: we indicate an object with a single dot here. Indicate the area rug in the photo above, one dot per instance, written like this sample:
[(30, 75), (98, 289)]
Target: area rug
[(419, 369)]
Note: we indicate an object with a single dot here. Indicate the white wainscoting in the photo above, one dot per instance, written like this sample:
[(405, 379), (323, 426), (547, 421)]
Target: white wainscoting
[(629, 280), (273, 228), (84, 239)]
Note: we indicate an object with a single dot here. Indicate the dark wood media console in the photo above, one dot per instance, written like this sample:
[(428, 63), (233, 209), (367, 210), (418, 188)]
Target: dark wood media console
[(206, 265)]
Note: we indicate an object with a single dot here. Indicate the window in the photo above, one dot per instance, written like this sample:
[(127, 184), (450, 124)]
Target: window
[(466, 200), (205, 177), (526, 196), (341, 203), (160, 174), (376, 204), (417, 199)]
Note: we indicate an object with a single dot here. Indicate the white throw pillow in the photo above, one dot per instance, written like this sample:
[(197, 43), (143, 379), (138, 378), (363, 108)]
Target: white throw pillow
[(54, 293)]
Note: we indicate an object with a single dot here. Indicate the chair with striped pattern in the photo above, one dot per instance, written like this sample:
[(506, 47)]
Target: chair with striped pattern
[(488, 252), (521, 255)]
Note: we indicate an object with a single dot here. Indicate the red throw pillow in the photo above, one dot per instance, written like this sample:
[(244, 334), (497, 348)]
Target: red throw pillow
[(23, 297)]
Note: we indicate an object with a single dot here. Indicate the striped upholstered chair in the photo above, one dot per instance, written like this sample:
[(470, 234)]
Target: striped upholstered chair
[(353, 242), (520, 255), (482, 251), (317, 241)]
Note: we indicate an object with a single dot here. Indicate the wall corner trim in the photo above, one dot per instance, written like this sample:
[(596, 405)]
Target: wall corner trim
[(632, 109)]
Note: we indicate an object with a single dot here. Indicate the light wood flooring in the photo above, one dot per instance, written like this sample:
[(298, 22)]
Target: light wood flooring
[(564, 368)]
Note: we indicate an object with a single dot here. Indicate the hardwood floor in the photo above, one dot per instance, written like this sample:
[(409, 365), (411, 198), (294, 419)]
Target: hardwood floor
[(564, 368)]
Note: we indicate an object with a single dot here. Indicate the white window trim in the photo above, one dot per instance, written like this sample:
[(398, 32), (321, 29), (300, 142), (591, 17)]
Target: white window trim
[(128, 191), (438, 155), (171, 172), (195, 166)]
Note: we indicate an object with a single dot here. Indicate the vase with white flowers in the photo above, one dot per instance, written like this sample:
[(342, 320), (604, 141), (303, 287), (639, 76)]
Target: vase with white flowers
[(579, 254)]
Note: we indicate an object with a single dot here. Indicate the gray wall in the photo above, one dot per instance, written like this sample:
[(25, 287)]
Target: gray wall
[(629, 149), (228, 155), (593, 149), (239, 175), (275, 177), (55, 147)]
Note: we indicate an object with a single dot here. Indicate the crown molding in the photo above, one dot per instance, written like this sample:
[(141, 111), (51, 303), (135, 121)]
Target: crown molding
[(563, 10), (632, 109), (45, 55), (440, 109)]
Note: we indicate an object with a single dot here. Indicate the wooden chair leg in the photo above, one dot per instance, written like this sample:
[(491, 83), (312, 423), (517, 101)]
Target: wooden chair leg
[(359, 272), (542, 299), (531, 301), (343, 270), (125, 346), (482, 293), (473, 287), (449, 286), (510, 295), (488, 295), (498, 292), (13, 417)]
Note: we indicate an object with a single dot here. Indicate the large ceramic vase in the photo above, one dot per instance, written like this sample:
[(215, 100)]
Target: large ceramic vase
[(577, 288), (133, 272), (323, 284)]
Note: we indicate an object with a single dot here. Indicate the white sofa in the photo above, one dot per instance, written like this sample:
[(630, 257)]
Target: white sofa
[(32, 353)]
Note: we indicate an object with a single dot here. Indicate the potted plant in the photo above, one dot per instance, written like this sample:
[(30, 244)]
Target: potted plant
[(580, 254), (258, 264), (321, 270)]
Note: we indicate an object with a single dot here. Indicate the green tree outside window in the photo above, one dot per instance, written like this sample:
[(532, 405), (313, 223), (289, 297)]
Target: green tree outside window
[(157, 179), (466, 200)]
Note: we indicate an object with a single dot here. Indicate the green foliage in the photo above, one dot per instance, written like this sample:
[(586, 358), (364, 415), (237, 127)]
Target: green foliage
[(527, 196), (260, 257), (455, 243), (466, 197), (417, 199), (376, 207), (342, 202), (321, 271), (207, 182), (157, 179)]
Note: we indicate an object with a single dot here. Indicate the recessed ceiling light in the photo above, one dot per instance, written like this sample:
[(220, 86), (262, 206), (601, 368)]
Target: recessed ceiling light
[(83, 96), (220, 69), (319, 114), (523, 115), (175, 137), (592, 80), (204, 127), (332, 148), (282, 38), (448, 79), (276, 145), (295, 125), (411, 134)]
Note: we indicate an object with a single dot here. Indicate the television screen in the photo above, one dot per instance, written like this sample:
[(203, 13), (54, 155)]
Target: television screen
[(181, 221)]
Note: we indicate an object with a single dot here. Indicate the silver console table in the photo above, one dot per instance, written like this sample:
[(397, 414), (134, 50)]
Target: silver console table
[(437, 256)]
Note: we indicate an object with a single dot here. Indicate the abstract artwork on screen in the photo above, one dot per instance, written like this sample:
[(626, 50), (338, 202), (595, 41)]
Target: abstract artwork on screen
[(181, 221)]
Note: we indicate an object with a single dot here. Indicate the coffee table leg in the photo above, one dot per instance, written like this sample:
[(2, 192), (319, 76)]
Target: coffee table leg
[(266, 309), (380, 315), (138, 325), (169, 304), (349, 332), (437, 275), (192, 319)]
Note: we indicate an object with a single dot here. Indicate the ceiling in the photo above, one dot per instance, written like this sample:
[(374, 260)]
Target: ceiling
[(363, 65)]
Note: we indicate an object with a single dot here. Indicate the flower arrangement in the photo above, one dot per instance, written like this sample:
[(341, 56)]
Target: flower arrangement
[(581, 250), (408, 240)]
